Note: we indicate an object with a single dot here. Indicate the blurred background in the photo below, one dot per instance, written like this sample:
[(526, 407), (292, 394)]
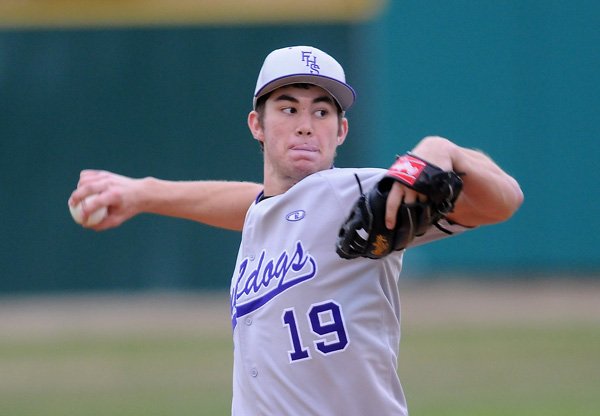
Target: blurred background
[(162, 88)]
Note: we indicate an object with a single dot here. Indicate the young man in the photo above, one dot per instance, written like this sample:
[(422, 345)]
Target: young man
[(314, 334)]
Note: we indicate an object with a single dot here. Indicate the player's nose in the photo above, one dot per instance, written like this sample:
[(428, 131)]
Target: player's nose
[(304, 127)]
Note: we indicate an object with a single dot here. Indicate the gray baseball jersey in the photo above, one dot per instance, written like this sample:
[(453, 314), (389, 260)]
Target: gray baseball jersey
[(315, 334)]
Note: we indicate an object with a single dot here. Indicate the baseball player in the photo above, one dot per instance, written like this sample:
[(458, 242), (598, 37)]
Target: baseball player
[(315, 308)]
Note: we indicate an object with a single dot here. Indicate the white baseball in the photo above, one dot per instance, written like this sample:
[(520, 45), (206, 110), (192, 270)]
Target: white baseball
[(94, 218)]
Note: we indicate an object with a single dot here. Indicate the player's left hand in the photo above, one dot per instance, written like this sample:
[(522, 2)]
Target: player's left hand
[(430, 149), (398, 195), (422, 195)]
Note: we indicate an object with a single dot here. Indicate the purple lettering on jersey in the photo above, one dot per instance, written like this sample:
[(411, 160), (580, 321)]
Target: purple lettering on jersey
[(267, 280)]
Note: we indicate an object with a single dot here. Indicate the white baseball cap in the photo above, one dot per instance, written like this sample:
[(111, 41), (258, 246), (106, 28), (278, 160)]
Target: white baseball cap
[(304, 64)]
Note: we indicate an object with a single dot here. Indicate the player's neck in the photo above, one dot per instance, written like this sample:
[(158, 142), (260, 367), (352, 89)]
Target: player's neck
[(277, 187)]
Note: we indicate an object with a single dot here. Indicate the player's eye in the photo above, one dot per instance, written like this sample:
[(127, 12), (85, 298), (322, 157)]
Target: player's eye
[(321, 113), (289, 110)]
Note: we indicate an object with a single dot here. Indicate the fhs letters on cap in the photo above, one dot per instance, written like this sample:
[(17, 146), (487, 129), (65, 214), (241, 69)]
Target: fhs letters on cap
[(304, 64)]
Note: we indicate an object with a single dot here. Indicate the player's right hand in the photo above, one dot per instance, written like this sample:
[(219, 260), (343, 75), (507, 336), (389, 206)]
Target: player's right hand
[(116, 192)]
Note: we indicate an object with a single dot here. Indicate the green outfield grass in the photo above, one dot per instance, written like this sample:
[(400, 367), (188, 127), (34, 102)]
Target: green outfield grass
[(178, 375), (525, 371), (471, 369)]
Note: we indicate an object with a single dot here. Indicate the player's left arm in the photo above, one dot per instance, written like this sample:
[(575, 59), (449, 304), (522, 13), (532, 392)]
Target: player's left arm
[(489, 194)]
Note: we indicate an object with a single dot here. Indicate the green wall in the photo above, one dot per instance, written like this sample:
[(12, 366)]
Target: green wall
[(518, 80)]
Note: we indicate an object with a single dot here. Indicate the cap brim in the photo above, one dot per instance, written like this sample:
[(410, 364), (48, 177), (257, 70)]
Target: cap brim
[(343, 93)]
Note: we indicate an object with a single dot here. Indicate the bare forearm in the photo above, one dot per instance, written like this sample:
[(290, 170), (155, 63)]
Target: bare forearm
[(489, 194), (218, 203)]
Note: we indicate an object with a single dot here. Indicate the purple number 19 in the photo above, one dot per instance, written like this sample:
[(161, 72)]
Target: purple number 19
[(326, 322)]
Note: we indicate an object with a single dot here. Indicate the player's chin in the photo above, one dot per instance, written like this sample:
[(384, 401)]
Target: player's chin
[(305, 167)]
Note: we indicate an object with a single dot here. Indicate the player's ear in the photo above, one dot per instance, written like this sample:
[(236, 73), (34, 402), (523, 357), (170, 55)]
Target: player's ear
[(255, 125), (342, 131)]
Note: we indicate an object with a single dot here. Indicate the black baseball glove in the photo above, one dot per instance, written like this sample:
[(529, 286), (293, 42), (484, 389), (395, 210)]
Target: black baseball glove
[(364, 233)]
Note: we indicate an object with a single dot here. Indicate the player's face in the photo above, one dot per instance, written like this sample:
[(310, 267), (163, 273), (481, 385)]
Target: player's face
[(300, 130)]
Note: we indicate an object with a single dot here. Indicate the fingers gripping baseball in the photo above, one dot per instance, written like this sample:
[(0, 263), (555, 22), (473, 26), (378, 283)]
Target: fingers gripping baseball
[(110, 191)]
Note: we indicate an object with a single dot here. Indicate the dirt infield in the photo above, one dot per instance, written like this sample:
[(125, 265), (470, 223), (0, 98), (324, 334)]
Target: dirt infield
[(539, 302), (113, 314)]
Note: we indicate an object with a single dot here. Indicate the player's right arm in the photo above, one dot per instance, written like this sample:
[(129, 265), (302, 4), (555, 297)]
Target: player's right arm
[(220, 204)]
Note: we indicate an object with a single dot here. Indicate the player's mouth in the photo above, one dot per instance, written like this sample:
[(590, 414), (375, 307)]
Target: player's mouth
[(305, 148)]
